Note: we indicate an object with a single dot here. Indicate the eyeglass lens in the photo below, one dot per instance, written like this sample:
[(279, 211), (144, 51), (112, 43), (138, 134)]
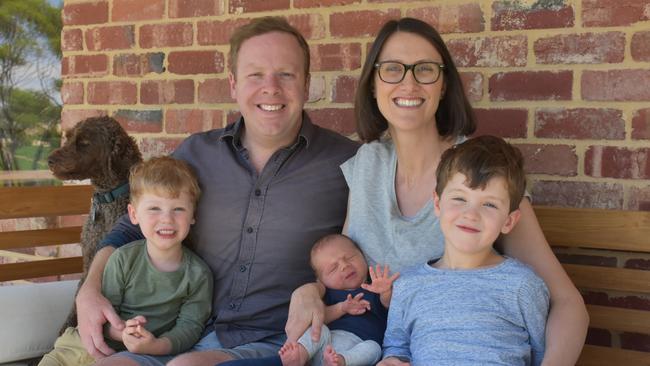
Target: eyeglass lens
[(424, 72)]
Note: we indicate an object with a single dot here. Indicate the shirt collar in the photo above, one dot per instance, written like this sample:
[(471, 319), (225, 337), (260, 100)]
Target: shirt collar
[(233, 132)]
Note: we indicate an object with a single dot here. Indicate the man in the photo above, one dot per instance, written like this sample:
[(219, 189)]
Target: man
[(271, 186)]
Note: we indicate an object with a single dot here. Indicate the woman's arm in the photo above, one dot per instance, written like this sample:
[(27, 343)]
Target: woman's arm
[(567, 323), (306, 308)]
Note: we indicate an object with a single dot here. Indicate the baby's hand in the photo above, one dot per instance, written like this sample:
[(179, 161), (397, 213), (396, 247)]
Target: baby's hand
[(381, 281), (355, 305)]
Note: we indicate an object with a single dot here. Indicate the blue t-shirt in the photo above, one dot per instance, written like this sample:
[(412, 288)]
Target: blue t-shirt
[(370, 325)]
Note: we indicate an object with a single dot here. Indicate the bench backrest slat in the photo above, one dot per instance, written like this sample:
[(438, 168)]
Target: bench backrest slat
[(600, 356), (619, 319), (607, 278), (599, 229), (32, 238), (19, 202), (48, 267)]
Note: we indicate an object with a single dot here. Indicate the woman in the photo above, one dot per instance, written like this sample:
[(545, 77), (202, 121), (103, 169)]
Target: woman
[(410, 87)]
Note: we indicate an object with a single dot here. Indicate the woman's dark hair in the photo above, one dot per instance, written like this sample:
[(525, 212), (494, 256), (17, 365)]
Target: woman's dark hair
[(454, 116)]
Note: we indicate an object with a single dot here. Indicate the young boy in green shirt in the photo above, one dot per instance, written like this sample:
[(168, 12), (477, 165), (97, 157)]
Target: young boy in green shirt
[(161, 290)]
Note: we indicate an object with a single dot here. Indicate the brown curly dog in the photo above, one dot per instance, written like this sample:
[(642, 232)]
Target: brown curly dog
[(100, 150)]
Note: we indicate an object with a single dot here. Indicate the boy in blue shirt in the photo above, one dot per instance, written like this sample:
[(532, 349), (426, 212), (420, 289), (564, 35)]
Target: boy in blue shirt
[(471, 306)]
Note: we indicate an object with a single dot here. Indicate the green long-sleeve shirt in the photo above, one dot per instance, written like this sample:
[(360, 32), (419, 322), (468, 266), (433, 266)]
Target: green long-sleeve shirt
[(176, 304)]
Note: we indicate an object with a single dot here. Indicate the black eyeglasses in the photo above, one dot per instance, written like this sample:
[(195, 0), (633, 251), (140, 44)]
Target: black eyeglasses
[(393, 72)]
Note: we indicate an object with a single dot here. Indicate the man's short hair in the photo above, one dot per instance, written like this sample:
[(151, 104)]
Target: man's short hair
[(164, 176), (481, 159), (261, 26)]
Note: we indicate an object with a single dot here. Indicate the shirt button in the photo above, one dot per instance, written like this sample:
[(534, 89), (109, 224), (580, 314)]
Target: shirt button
[(249, 230), (242, 268), (231, 306), (258, 192)]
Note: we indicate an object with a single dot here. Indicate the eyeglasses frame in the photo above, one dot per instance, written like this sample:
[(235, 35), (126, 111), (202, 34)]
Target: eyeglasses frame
[(408, 67)]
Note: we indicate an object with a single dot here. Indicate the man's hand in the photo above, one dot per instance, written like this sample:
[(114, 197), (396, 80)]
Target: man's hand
[(393, 361), (306, 309), (355, 305), (381, 281), (93, 310)]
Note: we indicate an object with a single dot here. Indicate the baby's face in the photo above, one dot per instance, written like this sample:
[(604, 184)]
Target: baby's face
[(340, 265)]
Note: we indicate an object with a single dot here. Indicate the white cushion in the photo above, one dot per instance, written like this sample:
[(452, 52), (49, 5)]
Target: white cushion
[(31, 316)]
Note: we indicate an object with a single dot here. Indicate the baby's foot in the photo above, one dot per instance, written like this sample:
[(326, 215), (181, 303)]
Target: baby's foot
[(293, 354), (331, 358)]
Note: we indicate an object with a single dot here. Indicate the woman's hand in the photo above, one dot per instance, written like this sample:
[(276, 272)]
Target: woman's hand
[(306, 308)]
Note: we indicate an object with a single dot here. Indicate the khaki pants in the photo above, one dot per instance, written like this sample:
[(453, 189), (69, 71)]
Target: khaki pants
[(68, 351)]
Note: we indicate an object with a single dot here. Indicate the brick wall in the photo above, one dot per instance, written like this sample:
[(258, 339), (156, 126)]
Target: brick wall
[(567, 81)]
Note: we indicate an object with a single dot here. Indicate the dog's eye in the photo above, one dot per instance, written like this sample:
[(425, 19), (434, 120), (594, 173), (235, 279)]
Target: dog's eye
[(83, 143)]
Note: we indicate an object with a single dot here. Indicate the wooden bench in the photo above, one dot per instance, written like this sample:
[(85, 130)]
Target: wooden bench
[(620, 231), (565, 228)]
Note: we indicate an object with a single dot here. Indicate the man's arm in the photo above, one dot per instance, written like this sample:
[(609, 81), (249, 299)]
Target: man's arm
[(93, 309)]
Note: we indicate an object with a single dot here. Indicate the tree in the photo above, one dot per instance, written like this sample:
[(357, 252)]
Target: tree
[(30, 32)]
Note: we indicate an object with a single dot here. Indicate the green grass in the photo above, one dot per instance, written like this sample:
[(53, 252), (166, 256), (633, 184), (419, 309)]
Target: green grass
[(25, 155)]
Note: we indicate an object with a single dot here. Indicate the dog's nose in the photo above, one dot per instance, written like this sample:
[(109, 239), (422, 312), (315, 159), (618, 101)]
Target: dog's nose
[(51, 160)]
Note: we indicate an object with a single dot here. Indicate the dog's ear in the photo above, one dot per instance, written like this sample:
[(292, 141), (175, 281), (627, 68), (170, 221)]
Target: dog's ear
[(124, 154)]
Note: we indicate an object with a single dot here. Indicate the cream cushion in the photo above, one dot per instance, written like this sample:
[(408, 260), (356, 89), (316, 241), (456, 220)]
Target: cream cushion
[(31, 316)]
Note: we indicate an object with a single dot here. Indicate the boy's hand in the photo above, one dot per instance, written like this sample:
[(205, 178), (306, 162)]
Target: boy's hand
[(381, 281), (393, 361), (355, 305)]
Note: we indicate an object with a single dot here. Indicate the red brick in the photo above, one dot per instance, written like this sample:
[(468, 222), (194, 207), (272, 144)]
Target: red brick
[(72, 40), (194, 8), (500, 51), (587, 48), (588, 260), (151, 146), (321, 3), (138, 64), (550, 159), (508, 123), (311, 26), (641, 124), (629, 302), (72, 93), (340, 120), (617, 162), (84, 65), (232, 116), (215, 91), (192, 120), (344, 88), (599, 337), (638, 263), (166, 35), (604, 13), (140, 121), (578, 194), (508, 15), (640, 46), (217, 32), (639, 199), (473, 85), (250, 6), (316, 89), (126, 10), (335, 57), (195, 62), (85, 13), (527, 85), (361, 23), (70, 117), (635, 341), (580, 123), (112, 92), (167, 91), (464, 18), (110, 38), (627, 85)]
